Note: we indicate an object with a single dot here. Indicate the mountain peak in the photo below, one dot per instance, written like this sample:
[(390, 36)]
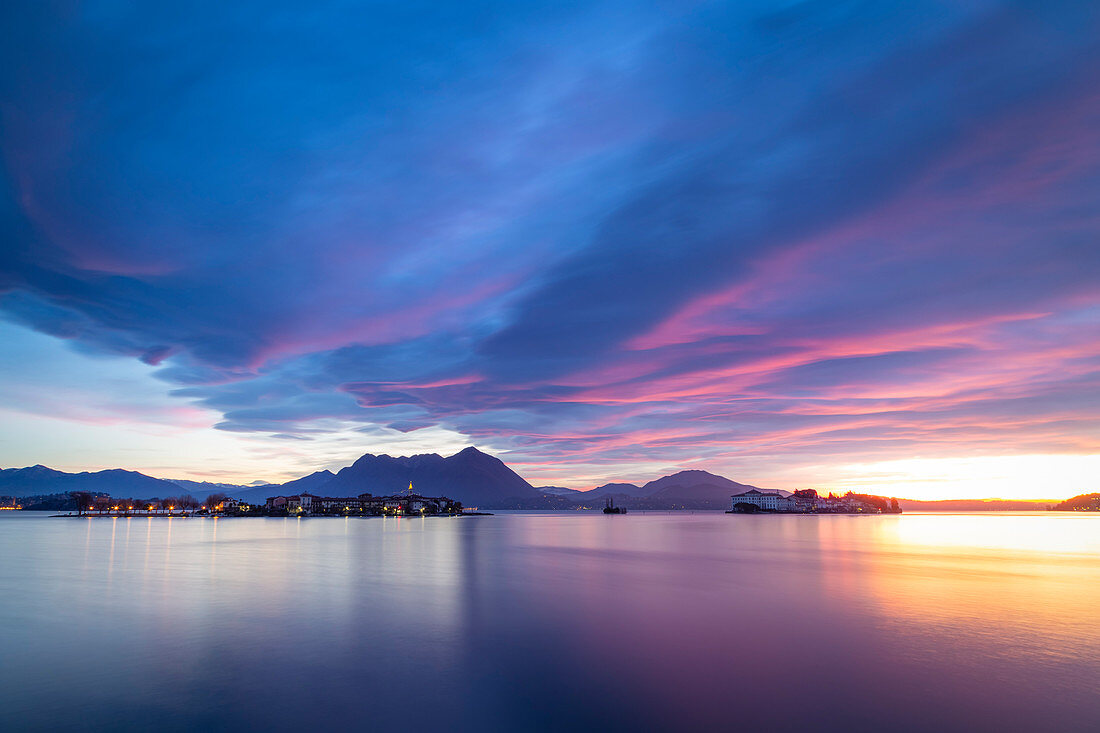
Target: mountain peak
[(41, 480), (694, 473), (471, 476), (616, 488), (37, 468)]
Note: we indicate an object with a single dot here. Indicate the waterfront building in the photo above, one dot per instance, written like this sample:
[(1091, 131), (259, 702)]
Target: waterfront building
[(846, 505), (805, 502), (330, 504), (770, 500), (303, 502), (371, 503), (405, 503)]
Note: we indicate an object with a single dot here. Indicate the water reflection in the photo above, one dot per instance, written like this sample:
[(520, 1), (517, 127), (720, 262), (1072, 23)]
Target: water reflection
[(547, 622)]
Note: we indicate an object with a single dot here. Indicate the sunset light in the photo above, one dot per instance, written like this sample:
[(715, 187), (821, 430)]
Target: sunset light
[(482, 366), (1048, 477)]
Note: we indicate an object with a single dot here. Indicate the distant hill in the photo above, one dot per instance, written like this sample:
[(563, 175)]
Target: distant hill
[(472, 477), (43, 481), (682, 490), (314, 483), (694, 490), (972, 505), (700, 489), (311, 483), (686, 483), (558, 491), (1081, 503), (615, 489), (203, 489), (259, 494), (40, 481)]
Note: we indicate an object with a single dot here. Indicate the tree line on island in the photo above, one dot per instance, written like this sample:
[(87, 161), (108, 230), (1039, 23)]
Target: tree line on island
[(1081, 503)]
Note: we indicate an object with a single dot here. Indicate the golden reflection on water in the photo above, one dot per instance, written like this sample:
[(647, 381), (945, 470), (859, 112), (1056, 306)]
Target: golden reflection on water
[(983, 578), (1038, 532)]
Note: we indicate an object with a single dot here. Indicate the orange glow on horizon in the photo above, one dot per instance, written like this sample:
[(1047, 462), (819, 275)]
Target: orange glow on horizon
[(1040, 477)]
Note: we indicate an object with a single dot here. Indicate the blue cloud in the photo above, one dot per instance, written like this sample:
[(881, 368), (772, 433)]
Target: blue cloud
[(556, 226)]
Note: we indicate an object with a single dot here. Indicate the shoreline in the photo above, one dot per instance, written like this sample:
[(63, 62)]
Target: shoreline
[(262, 516)]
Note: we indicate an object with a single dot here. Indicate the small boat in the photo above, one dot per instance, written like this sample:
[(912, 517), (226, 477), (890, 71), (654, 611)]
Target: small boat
[(610, 508)]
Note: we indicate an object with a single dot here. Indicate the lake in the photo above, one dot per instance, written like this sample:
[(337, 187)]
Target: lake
[(544, 621)]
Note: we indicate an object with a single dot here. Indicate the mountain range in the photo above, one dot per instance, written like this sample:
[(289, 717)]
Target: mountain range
[(692, 489), (40, 480), (471, 476)]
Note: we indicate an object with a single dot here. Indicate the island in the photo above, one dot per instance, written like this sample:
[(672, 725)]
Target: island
[(305, 504), (807, 501), (1080, 503)]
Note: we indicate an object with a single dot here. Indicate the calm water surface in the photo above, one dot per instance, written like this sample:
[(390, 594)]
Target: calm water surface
[(535, 621)]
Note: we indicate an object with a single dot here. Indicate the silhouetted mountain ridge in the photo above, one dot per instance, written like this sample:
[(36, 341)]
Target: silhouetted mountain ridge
[(314, 483), (202, 489), (39, 480), (614, 489), (471, 476), (558, 491)]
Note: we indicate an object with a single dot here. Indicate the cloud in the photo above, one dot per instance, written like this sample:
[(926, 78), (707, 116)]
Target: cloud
[(576, 233)]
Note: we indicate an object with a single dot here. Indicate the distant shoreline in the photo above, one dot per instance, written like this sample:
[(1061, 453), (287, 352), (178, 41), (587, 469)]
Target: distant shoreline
[(123, 515)]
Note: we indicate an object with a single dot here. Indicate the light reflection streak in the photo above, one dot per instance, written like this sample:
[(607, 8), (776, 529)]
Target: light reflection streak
[(111, 554), (167, 566), (213, 545)]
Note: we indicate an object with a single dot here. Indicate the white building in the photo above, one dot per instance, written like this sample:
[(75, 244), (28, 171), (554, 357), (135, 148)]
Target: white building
[(301, 501), (764, 499)]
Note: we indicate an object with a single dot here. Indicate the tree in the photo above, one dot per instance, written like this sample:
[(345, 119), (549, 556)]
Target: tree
[(878, 502), (215, 500), (83, 500)]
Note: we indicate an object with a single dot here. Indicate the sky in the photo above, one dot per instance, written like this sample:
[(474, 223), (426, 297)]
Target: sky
[(830, 244)]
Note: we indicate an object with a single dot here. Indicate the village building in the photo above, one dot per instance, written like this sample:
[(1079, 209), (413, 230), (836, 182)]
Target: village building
[(405, 503), (303, 502), (769, 500), (805, 501)]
